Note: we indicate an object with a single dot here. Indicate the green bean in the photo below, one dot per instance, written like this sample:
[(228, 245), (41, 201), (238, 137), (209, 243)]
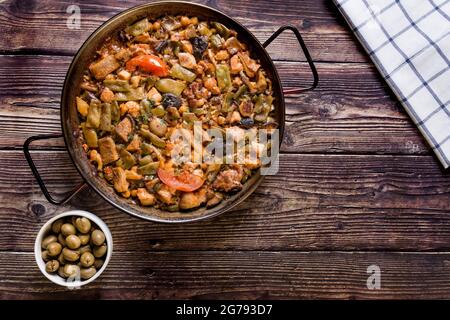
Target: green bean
[(105, 119), (181, 73), (117, 85), (226, 104), (115, 112), (221, 29), (93, 117), (127, 159), (216, 41), (90, 136), (223, 77), (189, 117), (149, 168), (132, 95), (170, 86), (138, 28), (154, 139), (158, 111)]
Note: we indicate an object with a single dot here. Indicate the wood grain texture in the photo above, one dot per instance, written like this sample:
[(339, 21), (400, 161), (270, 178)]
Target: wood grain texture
[(40, 26), (240, 275), (350, 112), (315, 202)]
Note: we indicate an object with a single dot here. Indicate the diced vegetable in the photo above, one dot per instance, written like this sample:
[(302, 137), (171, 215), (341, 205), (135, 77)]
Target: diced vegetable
[(149, 63), (131, 95), (117, 85), (93, 117), (170, 23), (223, 77), (90, 136), (187, 60), (115, 113), (154, 139), (226, 103), (170, 86), (221, 29), (149, 168), (103, 67), (127, 158), (181, 73), (105, 118), (216, 41), (158, 111), (82, 107), (138, 28)]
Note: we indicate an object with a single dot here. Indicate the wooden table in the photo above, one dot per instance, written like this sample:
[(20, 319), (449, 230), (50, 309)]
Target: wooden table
[(358, 186)]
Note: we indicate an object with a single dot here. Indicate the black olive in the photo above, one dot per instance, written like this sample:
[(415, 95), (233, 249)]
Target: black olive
[(199, 45), (161, 46), (247, 122), (171, 100)]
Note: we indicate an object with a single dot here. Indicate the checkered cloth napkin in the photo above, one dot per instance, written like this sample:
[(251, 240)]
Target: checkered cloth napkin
[(409, 42)]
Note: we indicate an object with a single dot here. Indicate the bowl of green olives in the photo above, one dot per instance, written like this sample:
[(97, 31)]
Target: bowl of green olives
[(73, 248)]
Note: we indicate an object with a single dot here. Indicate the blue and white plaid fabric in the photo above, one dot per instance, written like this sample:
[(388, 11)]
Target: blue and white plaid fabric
[(409, 42)]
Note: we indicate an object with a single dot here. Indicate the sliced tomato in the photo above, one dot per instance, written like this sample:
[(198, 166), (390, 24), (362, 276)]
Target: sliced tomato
[(149, 63), (186, 181)]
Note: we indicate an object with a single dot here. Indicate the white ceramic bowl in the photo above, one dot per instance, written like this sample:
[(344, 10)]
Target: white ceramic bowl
[(46, 228)]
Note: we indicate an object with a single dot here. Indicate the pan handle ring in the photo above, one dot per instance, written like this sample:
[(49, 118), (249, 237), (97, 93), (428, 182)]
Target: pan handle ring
[(26, 150), (306, 53)]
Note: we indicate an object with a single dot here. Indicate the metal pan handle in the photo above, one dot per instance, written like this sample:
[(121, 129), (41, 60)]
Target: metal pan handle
[(26, 150), (306, 53)]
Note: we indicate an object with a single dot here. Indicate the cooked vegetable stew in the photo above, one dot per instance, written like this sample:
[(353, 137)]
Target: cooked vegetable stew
[(155, 77)]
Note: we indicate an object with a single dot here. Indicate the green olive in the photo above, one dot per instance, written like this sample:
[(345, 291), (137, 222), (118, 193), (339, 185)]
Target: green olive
[(70, 255), (62, 239), (73, 242), (87, 259), (98, 263), (84, 238), (86, 248), (54, 249), (67, 229), (56, 226), (47, 240), (52, 266), (98, 237), (61, 272), (45, 256), (83, 224), (87, 273), (71, 270), (61, 259), (99, 251)]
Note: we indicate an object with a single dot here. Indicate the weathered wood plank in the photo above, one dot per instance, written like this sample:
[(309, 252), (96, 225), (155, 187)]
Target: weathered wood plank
[(315, 202), (350, 112), (240, 275), (41, 25)]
